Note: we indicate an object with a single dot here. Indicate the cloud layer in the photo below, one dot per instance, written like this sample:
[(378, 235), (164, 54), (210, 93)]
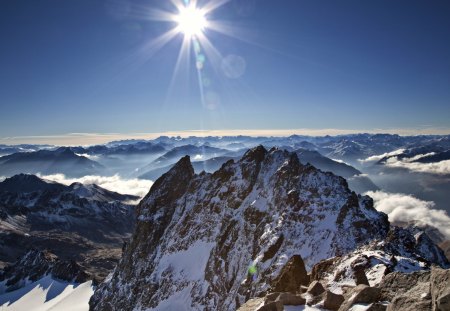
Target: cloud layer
[(138, 187), (440, 168), (406, 208), (378, 157)]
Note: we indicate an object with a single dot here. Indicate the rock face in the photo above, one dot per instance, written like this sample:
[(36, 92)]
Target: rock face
[(197, 235), (36, 264), (440, 289)]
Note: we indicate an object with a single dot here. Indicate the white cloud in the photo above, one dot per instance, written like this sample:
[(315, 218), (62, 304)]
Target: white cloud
[(138, 187), (440, 168), (378, 157), (2, 178), (406, 208), (89, 156)]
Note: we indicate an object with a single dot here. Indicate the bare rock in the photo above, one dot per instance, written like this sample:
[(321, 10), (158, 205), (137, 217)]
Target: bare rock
[(272, 297), (271, 306), (406, 291), (289, 299), (360, 276), (396, 283), (315, 288), (440, 289), (292, 277), (332, 301), (251, 304), (322, 268), (361, 294)]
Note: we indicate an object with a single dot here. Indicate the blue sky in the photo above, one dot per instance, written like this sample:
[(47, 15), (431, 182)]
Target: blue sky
[(88, 67)]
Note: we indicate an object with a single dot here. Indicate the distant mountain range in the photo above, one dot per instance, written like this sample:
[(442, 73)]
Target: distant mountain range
[(82, 222), (62, 160)]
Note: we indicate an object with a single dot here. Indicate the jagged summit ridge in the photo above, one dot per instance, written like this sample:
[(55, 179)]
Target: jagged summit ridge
[(197, 234)]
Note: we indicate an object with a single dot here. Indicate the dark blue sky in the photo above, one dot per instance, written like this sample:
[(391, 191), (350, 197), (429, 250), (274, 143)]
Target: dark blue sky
[(79, 66)]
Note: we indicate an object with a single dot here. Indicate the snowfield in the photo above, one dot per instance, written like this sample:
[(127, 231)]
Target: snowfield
[(48, 294)]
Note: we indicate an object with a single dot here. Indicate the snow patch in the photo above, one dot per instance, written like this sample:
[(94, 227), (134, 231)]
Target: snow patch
[(48, 294)]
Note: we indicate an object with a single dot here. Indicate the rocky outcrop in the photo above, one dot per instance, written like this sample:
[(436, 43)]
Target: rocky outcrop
[(36, 264), (417, 291), (220, 239), (360, 294), (440, 289), (292, 276)]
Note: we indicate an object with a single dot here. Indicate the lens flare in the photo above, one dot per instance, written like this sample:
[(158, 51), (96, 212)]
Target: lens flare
[(191, 21)]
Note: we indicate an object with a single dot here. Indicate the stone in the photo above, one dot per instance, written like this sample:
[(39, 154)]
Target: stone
[(397, 283), (272, 296), (440, 289), (332, 301), (360, 276), (251, 304), (360, 294), (292, 276), (289, 299), (315, 288), (406, 292), (271, 306)]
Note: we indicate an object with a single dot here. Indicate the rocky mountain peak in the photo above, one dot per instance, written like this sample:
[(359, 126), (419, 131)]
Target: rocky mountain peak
[(197, 235), (26, 183)]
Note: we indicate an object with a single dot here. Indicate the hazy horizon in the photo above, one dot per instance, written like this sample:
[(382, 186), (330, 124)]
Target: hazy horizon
[(77, 139)]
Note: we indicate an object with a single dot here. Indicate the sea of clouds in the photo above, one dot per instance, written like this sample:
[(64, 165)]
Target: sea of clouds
[(138, 187), (407, 208)]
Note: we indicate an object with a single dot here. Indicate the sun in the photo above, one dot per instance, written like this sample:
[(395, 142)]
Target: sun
[(191, 21)]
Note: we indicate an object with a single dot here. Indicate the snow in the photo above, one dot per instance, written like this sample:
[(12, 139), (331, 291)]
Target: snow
[(360, 307), (190, 263), (302, 308), (48, 294), (180, 301)]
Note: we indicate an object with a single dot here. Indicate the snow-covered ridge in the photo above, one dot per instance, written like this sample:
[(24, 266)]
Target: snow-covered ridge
[(48, 294), (258, 211)]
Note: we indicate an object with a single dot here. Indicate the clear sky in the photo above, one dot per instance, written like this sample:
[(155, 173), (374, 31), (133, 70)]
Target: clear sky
[(92, 66)]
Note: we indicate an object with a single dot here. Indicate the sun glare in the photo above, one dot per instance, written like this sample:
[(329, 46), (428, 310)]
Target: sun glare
[(191, 21)]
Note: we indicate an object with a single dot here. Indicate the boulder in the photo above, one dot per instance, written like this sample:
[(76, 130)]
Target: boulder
[(397, 283), (271, 297), (360, 276), (406, 292), (271, 306), (251, 304), (360, 294), (315, 288), (440, 289), (289, 299), (292, 276), (332, 301)]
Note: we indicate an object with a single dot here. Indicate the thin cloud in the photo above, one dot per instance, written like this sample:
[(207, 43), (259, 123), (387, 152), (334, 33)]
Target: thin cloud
[(89, 156), (138, 187), (407, 208), (378, 157)]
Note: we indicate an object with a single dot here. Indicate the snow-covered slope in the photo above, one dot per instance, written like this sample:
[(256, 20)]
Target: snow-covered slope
[(48, 294), (197, 235)]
